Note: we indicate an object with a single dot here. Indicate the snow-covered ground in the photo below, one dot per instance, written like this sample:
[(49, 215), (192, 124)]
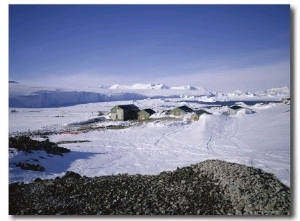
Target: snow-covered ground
[(261, 139)]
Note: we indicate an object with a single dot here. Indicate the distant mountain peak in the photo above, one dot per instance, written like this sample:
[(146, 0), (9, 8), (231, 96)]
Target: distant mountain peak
[(158, 86), (284, 89), (139, 86)]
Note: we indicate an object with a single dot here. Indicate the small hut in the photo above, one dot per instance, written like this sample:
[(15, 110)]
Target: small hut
[(286, 100), (145, 114), (197, 114), (124, 112), (182, 110), (233, 110)]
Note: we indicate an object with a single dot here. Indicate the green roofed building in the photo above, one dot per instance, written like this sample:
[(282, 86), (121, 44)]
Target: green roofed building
[(124, 112), (232, 110), (145, 114), (182, 110), (198, 114)]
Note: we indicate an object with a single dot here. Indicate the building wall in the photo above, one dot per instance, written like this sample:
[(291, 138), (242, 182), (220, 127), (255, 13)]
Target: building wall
[(245, 110), (117, 114), (130, 115), (177, 112), (113, 116), (120, 114), (232, 111), (143, 116)]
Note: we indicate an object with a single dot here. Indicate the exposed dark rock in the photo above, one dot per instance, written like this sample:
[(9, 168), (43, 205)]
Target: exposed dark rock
[(25, 143), (211, 187), (28, 166)]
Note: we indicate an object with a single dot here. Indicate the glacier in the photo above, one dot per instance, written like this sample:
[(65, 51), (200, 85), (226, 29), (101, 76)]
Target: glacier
[(27, 96)]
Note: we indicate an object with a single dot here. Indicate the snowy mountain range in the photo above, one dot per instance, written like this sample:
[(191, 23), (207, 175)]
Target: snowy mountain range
[(139, 86), (155, 86), (26, 96)]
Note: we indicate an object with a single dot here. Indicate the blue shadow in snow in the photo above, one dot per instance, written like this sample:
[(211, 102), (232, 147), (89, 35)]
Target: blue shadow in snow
[(53, 164), (61, 164)]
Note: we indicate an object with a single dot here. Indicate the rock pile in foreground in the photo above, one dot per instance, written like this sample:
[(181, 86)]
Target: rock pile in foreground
[(211, 187)]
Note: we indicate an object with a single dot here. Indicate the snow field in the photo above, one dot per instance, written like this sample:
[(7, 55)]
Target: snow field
[(261, 140)]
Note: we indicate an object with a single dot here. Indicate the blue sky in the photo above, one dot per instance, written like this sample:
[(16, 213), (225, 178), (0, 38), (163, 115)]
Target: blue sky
[(218, 47)]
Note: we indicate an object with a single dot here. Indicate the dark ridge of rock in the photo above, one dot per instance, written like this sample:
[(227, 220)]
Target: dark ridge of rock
[(28, 166), (25, 143), (211, 187)]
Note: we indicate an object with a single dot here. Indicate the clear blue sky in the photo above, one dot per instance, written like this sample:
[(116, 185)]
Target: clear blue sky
[(218, 47)]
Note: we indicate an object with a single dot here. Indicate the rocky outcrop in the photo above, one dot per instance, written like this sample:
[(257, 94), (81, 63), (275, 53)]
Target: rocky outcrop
[(25, 143), (211, 187)]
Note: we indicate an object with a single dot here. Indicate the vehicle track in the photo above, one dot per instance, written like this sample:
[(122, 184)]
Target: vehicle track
[(221, 133)]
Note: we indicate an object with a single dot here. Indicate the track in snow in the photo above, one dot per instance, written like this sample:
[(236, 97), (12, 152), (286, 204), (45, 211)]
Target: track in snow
[(221, 131)]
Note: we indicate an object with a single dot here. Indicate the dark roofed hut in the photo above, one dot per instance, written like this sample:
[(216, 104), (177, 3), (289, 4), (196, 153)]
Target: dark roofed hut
[(198, 113), (180, 110), (145, 114), (124, 112), (235, 109)]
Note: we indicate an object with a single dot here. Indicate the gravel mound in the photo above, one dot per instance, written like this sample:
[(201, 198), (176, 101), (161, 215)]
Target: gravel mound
[(211, 187)]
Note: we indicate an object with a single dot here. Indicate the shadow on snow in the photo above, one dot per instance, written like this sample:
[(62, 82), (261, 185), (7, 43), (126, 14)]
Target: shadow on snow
[(55, 165)]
